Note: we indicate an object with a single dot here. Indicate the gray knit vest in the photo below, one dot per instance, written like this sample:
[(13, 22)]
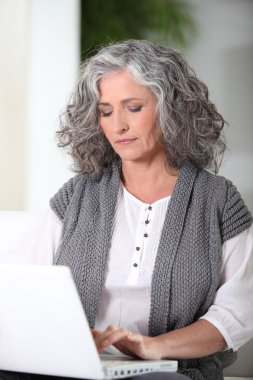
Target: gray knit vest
[(204, 211)]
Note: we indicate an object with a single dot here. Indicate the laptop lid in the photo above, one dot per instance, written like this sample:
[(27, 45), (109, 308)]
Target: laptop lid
[(43, 328)]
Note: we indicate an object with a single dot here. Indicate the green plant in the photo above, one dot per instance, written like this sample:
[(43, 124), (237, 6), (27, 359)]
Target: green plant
[(103, 21)]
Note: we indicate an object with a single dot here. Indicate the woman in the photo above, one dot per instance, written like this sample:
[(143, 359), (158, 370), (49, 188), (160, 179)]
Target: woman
[(147, 232), (156, 243)]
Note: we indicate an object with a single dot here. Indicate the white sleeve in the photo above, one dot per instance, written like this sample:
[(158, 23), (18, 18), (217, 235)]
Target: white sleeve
[(38, 246), (232, 309)]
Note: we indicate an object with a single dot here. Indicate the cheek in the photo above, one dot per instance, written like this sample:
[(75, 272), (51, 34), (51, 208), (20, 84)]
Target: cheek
[(103, 125), (106, 129), (147, 126)]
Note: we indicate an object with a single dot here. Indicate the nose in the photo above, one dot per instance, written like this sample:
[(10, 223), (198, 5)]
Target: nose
[(119, 121)]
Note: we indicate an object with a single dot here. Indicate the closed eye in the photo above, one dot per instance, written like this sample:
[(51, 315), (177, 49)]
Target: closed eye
[(135, 109), (105, 114), (108, 113)]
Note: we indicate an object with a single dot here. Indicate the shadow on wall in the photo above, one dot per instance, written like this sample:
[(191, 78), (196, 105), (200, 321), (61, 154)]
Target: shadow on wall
[(238, 111)]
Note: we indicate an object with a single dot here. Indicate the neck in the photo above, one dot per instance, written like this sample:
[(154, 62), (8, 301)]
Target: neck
[(149, 181)]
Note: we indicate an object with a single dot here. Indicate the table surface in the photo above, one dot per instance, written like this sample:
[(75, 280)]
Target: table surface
[(149, 376)]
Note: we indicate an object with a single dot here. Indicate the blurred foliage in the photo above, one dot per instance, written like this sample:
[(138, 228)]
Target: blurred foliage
[(104, 21)]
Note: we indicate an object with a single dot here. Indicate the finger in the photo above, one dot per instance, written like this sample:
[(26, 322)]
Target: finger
[(116, 336), (101, 335), (95, 332)]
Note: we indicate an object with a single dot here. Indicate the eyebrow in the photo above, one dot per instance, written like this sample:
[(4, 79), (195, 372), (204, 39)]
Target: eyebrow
[(124, 101)]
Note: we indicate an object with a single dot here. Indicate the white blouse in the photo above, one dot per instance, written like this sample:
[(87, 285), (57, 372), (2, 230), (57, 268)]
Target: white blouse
[(127, 293)]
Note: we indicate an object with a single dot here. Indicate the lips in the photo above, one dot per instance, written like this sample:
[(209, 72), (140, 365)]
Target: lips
[(125, 141)]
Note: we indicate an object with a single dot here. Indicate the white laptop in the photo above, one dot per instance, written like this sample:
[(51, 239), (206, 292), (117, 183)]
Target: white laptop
[(43, 328)]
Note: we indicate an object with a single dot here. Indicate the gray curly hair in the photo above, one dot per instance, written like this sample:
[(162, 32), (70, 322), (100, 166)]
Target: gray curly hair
[(190, 124)]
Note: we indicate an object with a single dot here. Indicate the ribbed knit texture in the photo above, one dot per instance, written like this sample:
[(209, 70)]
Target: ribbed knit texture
[(204, 211)]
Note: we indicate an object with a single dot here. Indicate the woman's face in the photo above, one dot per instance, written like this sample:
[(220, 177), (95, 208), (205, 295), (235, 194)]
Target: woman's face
[(127, 116)]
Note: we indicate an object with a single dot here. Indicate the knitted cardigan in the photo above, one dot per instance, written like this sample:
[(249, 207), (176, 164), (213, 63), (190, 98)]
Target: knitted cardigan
[(205, 210)]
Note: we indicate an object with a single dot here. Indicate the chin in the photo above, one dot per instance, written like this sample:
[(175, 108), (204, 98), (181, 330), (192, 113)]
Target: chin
[(132, 158), (128, 156)]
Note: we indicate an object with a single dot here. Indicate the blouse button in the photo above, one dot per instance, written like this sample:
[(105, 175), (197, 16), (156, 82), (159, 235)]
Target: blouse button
[(150, 207), (145, 235), (135, 265), (147, 221), (137, 248)]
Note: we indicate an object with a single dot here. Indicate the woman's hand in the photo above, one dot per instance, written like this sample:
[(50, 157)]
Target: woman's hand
[(196, 340), (128, 343)]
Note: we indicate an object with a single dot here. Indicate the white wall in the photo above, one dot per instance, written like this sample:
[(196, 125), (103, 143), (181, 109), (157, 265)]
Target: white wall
[(54, 62), (14, 46), (223, 58), (39, 62)]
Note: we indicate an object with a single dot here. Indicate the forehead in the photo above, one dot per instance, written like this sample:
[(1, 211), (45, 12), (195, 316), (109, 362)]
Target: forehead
[(121, 84)]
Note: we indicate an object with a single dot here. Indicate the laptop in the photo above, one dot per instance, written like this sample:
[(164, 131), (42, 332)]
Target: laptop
[(43, 328)]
